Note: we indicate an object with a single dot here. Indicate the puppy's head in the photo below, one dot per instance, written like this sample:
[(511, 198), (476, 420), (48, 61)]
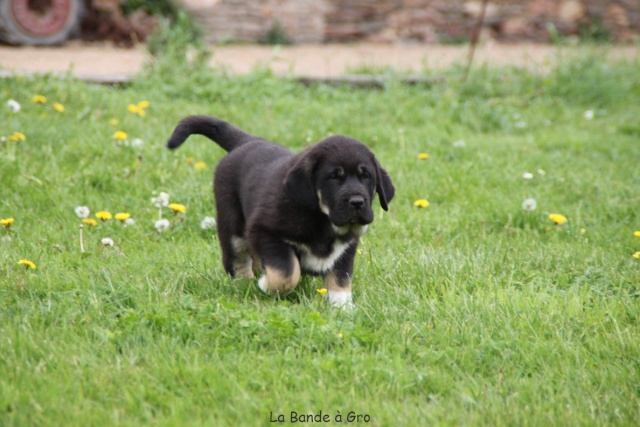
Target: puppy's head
[(340, 177)]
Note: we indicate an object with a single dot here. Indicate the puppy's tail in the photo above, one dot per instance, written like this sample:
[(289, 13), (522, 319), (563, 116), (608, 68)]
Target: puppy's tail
[(224, 134)]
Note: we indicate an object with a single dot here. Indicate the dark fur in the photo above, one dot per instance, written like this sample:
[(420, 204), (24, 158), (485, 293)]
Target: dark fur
[(268, 197)]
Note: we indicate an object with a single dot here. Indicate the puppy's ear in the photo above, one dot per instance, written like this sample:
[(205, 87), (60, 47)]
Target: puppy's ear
[(298, 183), (384, 186)]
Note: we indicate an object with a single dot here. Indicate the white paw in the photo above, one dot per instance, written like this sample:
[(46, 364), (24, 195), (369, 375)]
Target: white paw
[(262, 284), (340, 299)]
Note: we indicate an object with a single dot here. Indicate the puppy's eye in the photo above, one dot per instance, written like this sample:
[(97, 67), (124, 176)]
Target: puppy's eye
[(337, 174), (364, 173)]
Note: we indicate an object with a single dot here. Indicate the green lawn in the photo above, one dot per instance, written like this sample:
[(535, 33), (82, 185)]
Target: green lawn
[(470, 311)]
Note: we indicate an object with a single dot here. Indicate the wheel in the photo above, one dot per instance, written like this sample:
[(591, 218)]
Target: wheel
[(39, 22)]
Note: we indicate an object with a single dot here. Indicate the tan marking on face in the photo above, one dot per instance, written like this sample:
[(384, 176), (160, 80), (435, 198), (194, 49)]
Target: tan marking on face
[(323, 206)]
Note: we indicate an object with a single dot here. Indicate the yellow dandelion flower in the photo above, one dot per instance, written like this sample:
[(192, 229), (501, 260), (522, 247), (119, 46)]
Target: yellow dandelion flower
[(636, 255), (122, 216), (583, 230), (423, 156), (114, 122), (120, 135), (421, 203), (39, 99), (340, 335), (58, 107), (27, 263), (189, 160), (135, 109), (104, 215), (636, 233), (138, 109), (559, 219), (178, 208), (17, 136), (200, 165), (321, 291), (7, 222), (90, 221)]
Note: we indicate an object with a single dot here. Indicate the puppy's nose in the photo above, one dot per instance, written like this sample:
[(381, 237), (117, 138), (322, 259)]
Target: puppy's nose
[(356, 202)]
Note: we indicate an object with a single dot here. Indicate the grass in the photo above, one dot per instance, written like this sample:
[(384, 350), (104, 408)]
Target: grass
[(471, 311)]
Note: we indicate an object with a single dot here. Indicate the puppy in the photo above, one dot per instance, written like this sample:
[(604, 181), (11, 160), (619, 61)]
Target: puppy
[(287, 214)]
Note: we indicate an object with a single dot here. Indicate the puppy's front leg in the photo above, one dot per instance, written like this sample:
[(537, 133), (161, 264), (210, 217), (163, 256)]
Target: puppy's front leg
[(281, 268), (337, 281)]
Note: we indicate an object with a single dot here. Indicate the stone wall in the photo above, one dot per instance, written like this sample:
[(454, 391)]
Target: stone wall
[(411, 21)]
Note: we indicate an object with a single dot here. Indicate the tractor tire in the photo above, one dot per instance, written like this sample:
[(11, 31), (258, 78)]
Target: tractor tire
[(39, 22)]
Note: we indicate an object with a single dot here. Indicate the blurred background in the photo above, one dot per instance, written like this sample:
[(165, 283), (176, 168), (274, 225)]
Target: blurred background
[(128, 22)]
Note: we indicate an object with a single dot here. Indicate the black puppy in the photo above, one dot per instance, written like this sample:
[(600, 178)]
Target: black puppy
[(291, 213)]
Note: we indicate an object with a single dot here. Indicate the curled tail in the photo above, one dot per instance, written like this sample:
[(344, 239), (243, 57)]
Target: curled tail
[(224, 134)]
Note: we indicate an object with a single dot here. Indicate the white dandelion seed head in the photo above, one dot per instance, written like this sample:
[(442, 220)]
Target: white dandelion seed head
[(459, 143), (527, 175), (529, 204), (161, 200), (83, 212), (107, 241), (13, 105), (137, 143), (129, 221), (541, 172), (208, 223), (162, 225), (588, 115)]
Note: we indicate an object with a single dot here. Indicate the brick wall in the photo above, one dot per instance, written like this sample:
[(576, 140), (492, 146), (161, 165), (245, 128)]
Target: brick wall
[(411, 21)]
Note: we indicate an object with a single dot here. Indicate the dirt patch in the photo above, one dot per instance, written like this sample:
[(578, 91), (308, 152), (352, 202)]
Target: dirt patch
[(101, 59)]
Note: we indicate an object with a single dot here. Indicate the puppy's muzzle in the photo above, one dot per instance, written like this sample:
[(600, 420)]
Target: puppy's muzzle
[(357, 210), (356, 202)]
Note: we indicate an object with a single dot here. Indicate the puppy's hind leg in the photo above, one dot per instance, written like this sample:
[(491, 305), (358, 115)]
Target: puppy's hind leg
[(242, 261), (228, 254), (236, 258)]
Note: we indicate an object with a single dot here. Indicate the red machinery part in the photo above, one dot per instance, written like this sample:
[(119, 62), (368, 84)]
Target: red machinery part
[(39, 22)]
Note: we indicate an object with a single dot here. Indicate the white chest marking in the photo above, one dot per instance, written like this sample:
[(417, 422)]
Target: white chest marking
[(316, 264)]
